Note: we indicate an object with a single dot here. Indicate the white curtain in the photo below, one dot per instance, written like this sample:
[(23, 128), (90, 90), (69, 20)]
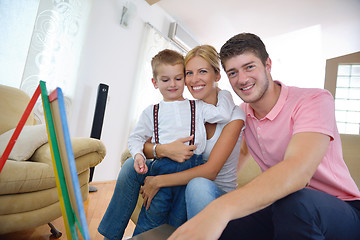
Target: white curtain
[(55, 47), (16, 26), (144, 91)]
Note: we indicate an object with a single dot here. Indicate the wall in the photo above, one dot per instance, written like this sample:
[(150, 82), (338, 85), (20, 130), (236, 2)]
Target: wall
[(110, 56), (299, 57)]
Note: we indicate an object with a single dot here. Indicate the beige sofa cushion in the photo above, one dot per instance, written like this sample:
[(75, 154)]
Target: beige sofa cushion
[(36, 216), (29, 201), (37, 173), (31, 138), (26, 176)]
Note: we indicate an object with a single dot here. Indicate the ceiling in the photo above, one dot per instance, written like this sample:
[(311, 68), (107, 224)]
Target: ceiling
[(215, 21)]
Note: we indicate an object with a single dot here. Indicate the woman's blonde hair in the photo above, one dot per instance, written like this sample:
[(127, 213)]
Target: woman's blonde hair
[(208, 53)]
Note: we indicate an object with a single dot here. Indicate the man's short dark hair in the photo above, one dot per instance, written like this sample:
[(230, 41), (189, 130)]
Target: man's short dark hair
[(241, 43)]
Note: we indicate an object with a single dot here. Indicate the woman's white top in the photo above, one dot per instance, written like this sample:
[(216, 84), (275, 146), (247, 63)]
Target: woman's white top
[(227, 177)]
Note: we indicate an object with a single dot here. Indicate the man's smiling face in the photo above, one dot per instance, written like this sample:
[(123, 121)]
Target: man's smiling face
[(248, 76)]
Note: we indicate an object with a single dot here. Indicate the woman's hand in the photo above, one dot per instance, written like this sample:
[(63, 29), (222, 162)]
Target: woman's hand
[(178, 150), (149, 190)]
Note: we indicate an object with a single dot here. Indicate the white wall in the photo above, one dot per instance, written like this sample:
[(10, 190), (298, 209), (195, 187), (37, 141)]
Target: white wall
[(299, 57), (110, 55)]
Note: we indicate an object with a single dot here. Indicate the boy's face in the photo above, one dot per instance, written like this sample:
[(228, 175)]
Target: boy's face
[(248, 76), (170, 81)]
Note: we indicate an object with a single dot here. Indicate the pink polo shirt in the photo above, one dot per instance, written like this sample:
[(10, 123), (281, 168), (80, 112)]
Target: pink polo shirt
[(301, 110)]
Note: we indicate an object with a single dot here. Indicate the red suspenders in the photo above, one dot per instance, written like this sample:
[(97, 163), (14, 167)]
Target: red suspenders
[(156, 129), (192, 128)]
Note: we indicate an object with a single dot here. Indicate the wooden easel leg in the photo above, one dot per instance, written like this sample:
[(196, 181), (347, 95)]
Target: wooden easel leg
[(56, 233)]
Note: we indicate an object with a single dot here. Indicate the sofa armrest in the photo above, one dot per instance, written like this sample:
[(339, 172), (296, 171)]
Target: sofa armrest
[(125, 155), (81, 147)]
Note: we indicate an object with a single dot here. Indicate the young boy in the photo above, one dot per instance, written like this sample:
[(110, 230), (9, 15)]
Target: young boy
[(171, 119)]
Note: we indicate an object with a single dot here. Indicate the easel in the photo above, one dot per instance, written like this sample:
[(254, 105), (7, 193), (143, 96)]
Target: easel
[(67, 181)]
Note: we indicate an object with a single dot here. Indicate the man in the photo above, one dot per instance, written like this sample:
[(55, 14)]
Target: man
[(305, 190)]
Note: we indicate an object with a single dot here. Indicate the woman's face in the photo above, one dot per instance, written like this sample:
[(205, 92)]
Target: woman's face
[(201, 78)]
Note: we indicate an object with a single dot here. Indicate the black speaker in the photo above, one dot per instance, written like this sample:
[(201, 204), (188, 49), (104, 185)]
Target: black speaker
[(99, 116)]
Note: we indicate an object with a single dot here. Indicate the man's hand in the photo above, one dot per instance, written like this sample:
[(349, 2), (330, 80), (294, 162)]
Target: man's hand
[(139, 164), (177, 150), (149, 190), (206, 225)]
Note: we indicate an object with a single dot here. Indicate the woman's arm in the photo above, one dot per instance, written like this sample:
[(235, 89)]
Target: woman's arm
[(303, 155), (218, 156)]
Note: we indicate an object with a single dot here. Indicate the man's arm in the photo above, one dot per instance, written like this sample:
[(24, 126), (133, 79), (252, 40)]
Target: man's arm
[(303, 155)]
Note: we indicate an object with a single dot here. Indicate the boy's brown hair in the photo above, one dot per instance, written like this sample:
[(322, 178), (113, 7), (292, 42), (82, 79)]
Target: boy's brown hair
[(241, 43), (166, 56)]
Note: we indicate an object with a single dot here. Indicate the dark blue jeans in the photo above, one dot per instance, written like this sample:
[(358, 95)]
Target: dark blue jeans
[(305, 214), (168, 205), (126, 194), (123, 201)]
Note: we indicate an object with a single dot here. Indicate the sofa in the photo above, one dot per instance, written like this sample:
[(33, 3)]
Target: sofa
[(351, 154), (28, 192)]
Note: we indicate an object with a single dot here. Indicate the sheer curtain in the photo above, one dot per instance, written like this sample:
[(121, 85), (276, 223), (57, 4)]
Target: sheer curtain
[(144, 92), (16, 26), (55, 47)]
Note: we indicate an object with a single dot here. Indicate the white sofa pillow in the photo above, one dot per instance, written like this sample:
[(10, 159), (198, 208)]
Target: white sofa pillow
[(31, 138)]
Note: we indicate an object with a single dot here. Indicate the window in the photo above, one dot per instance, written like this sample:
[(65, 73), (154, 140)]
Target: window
[(347, 99), (343, 81)]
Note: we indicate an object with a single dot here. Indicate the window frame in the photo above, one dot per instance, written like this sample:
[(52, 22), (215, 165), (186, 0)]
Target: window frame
[(331, 70)]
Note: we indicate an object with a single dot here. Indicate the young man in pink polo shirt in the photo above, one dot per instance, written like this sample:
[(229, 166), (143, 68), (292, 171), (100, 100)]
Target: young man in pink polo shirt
[(305, 190)]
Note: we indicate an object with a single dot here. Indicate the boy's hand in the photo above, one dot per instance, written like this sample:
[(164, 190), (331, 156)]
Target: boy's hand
[(178, 150), (139, 164)]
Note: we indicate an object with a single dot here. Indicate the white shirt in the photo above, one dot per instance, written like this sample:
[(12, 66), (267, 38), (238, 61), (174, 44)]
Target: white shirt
[(174, 122)]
